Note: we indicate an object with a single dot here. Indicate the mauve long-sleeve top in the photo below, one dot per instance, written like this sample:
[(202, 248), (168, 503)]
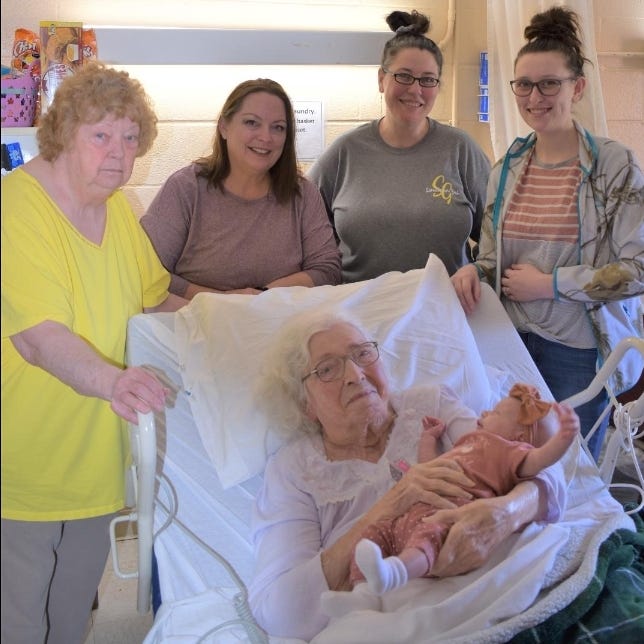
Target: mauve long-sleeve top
[(213, 238)]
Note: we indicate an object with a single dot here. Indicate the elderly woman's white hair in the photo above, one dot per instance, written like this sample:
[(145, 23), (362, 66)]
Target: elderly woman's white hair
[(281, 391)]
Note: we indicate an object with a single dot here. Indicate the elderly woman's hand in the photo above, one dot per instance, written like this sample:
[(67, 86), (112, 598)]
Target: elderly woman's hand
[(428, 483), (480, 526), (136, 389), (56, 349)]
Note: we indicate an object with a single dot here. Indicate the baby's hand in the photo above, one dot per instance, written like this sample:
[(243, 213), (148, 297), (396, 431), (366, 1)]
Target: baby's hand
[(433, 426), (569, 425)]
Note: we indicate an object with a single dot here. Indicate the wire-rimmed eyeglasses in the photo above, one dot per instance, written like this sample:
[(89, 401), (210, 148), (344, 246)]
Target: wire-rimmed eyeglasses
[(546, 86), (332, 368), (403, 78)]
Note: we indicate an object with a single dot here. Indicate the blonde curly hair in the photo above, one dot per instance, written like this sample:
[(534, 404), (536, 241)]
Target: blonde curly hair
[(89, 95)]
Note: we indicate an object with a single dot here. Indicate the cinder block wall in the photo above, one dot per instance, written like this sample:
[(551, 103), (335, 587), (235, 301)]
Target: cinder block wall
[(619, 36), (187, 99)]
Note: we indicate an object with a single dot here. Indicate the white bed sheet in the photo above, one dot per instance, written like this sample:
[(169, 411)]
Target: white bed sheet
[(221, 517)]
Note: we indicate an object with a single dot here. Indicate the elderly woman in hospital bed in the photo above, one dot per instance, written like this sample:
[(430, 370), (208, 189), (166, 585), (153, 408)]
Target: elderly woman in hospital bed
[(326, 382)]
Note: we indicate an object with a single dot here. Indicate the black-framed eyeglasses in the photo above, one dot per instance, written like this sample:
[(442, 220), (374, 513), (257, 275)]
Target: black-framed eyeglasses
[(332, 368), (546, 86), (403, 78)]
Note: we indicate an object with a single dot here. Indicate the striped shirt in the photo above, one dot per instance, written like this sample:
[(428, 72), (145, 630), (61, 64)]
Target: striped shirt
[(541, 228), (544, 204)]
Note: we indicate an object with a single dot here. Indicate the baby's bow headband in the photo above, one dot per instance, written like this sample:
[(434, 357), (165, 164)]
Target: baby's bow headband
[(532, 407)]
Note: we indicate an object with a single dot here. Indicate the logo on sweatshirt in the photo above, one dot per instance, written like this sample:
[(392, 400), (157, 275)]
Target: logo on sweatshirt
[(441, 189)]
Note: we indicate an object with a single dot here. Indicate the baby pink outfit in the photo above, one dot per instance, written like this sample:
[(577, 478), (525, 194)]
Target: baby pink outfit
[(491, 461)]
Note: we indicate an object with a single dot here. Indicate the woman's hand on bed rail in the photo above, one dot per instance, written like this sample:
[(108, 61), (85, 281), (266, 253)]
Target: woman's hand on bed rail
[(467, 284), (137, 390)]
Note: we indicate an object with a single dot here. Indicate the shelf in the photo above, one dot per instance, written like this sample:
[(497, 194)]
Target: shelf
[(18, 131), (25, 136), (198, 46)]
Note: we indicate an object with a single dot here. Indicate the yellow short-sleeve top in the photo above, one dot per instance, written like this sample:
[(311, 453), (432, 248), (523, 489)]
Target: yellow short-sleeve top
[(64, 454)]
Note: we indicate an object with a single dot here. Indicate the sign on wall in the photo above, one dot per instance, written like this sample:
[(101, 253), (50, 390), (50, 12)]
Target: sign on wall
[(309, 129)]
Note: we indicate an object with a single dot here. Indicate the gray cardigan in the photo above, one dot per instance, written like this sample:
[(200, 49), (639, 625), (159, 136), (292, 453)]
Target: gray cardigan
[(609, 278)]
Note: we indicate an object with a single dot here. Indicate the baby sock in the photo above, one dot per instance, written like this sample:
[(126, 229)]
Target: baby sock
[(381, 574)]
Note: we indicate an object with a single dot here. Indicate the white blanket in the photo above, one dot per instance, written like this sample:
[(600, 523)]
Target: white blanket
[(491, 604), (530, 577)]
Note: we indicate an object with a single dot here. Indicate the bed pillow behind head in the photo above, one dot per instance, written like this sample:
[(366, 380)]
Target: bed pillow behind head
[(222, 339)]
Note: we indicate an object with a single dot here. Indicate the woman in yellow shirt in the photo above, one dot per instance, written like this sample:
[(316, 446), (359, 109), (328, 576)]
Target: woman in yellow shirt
[(76, 265)]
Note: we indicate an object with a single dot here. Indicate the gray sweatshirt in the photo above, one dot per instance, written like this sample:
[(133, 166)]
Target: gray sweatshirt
[(392, 207)]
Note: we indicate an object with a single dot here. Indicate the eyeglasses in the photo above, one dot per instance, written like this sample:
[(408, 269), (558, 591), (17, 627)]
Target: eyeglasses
[(546, 87), (407, 79), (332, 368)]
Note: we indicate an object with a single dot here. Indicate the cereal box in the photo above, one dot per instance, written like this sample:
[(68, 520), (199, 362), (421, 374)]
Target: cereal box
[(61, 52)]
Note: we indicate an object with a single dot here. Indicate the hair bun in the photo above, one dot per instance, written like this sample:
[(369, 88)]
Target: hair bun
[(402, 22), (557, 23)]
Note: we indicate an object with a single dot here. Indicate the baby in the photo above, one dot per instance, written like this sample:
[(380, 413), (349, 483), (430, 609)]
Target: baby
[(513, 442)]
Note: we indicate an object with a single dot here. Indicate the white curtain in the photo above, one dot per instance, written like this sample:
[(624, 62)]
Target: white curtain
[(506, 20)]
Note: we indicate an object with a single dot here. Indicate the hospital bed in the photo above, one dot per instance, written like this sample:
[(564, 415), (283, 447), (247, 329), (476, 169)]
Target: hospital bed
[(198, 466)]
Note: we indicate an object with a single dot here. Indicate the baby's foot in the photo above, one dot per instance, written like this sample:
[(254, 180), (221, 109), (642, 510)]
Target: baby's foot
[(381, 574)]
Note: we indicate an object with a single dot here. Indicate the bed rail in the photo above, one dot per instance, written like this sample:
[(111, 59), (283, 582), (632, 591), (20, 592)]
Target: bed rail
[(144, 478), (143, 475), (628, 421)]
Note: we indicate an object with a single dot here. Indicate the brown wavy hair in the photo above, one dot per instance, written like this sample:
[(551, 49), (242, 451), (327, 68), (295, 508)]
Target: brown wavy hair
[(284, 174)]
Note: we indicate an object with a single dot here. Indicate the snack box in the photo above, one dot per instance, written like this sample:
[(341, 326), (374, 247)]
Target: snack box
[(61, 54)]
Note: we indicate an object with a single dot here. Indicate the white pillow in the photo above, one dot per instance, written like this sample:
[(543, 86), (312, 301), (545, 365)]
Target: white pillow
[(221, 340)]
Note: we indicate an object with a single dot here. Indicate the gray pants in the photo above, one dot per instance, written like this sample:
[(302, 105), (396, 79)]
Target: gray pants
[(50, 574)]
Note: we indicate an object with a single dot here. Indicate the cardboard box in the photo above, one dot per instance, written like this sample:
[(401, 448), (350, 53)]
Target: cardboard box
[(61, 54)]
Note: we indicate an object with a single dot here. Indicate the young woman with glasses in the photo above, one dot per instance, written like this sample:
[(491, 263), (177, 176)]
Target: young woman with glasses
[(563, 236), (404, 186)]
